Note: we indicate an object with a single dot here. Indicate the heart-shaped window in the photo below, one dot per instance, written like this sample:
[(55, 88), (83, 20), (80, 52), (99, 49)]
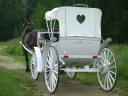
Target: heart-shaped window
[(80, 18)]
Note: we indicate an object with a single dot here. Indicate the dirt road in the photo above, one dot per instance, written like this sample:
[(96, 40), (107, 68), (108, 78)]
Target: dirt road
[(67, 87)]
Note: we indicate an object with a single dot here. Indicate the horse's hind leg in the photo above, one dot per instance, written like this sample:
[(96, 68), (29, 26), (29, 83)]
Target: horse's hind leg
[(26, 59), (27, 65)]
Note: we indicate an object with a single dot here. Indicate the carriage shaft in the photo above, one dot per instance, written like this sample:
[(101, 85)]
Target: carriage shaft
[(26, 48)]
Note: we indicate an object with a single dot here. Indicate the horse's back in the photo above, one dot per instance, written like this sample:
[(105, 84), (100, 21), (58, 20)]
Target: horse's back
[(30, 39)]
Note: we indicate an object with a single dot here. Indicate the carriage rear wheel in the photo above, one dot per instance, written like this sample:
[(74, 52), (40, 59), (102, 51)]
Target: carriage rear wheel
[(108, 69), (72, 75), (51, 71), (34, 72)]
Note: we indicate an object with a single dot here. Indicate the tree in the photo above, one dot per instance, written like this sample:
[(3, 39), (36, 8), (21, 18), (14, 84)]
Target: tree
[(114, 22), (12, 12), (30, 5), (39, 13)]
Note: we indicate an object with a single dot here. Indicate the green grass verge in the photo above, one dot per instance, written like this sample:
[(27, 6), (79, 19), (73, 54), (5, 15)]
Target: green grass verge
[(14, 83), (14, 50), (121, 87), (121, 51)]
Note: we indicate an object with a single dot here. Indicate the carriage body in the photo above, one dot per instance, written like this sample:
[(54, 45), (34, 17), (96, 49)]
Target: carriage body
[(76, 43), (78, 39)]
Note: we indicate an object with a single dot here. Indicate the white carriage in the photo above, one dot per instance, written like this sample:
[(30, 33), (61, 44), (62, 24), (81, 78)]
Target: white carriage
[(77, 43)]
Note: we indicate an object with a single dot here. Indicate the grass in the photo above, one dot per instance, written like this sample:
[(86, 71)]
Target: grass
[(14, 49), (121, 51), (121, 87), (14, 83)]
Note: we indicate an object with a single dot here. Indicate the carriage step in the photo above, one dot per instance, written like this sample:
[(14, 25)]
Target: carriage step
[(80, 70)]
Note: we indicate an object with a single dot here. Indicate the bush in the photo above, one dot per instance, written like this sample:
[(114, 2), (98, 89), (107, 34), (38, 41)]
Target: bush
[(121, 52), (14, 50)]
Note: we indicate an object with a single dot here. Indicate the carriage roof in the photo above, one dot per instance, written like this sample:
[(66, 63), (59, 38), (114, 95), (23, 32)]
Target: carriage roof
[(77, 21)]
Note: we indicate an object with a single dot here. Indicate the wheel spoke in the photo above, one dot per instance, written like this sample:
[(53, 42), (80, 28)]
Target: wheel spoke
[(55, 66), (112, 61), (101, 76), (49, 56), (50, 81), (47, 66), (47, 77), (54, 83), (101, 60), (112, 67), (33, 63), (48, 61), (105, 81), (112, 72), (104, 54), (111, 77), (48, 71), (110, 58), (55, 71), (107, 53), (55, 77), (110, 80)]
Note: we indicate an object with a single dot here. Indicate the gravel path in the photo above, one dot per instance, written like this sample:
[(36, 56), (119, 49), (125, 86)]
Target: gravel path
[(67, 87)]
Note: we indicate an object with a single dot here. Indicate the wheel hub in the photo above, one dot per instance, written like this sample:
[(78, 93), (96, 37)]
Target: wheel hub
[(51, 68), (104, 69)]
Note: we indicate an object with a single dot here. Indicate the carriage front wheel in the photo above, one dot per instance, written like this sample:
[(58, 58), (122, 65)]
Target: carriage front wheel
[(34, 72), (72, 75), (108, 69), (51, 71)]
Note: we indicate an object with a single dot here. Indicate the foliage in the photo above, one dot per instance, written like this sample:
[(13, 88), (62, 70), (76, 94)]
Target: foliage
[(12, 14), (31, 4), (114, 16), (38, 16), (14, 50), (39, 12), (121, 53), (114, 21)]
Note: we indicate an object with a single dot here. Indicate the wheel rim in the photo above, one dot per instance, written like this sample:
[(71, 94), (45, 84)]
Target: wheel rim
[(51, 70), (34, 67), (107, 75), (72, 75)]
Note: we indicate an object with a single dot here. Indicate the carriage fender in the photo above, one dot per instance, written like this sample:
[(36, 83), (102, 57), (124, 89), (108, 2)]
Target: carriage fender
[(40, 66), (104, 44)]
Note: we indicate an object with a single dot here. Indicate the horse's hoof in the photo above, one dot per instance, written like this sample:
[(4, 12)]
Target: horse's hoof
[(27, 70)]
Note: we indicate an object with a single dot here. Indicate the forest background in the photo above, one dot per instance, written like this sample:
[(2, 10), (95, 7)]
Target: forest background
[(14, 12)]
